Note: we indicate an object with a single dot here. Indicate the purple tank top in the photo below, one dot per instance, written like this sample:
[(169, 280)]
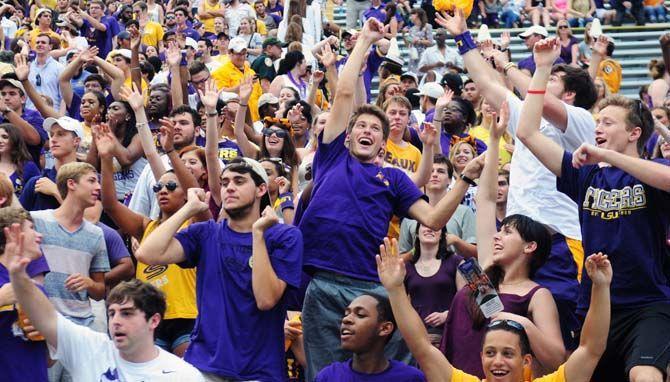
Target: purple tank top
[(434, 293), (461, 343)]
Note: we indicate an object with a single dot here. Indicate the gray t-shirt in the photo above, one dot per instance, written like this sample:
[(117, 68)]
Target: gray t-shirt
[(461, 224)]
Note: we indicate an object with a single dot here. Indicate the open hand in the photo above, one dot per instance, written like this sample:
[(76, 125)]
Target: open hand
[(134, 98), (210, 97), (246, 88), (167, 134), (327, 57), (428, 134), (454, 24), (499, 125), (21, 67), (546, 51), (390, 266), (105, 141)]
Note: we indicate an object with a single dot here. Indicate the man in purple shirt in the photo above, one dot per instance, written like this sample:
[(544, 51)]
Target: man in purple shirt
[(181, 15), (366, 328), (375, 58), (376, 11), (530, 36), (99, 30)]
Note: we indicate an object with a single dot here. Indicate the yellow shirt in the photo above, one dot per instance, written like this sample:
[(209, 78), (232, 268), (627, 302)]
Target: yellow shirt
[(557, 376), (610, 71), (209, 23), (152, 33), (406, 158), (32, 36), (177, 283), (229, 76), (129, 84), (261, 28), (483, 135)]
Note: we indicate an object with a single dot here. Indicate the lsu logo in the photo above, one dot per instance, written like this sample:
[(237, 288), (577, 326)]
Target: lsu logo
[(153, 271)]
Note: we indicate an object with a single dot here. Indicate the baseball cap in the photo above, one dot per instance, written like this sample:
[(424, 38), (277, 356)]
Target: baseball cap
[(13, 83), (229, 97), (237, 45), (431, 89), (191, 43), (123, 52), (124, 35), (535, 29), (409, 75), (272, 41), (267, 98), (42, 10), (256, 168), (453, 81), (349, 32), (67, 123)]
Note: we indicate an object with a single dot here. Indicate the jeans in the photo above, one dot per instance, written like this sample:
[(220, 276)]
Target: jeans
[(509, 17), (579, 22), (656, 14)]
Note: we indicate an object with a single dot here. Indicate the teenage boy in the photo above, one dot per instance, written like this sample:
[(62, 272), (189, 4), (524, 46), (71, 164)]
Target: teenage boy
[(624, 204), (566, 121), (340, 256), (366, 328), (244, 265), (135, 310)]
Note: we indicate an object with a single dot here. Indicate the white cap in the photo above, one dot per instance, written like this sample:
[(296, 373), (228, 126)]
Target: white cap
[(67, 123), (410, 75), (535, 29), (42, 10), (237, 45), (267, 98), (13, 83), (431, 89), (484, 34), (123, 52), (191, 43), (228, 97)]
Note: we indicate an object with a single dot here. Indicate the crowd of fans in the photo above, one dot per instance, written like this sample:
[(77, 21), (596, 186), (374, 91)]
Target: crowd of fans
[(213, 191)]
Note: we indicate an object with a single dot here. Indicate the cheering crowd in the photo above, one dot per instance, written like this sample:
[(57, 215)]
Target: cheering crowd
[(244, 191)]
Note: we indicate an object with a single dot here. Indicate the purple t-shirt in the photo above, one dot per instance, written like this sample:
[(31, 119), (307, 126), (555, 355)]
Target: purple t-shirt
[(21, 360), (342, 372), (116, 249), (528, 63), (232, 338), (34, 118), (627, 220), (35, 201), (30, 169), (434, 293), (349, 213), (103, 40), (371, 69), (446, 141)]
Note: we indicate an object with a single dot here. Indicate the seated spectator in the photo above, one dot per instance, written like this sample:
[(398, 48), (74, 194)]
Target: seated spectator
[(632, 7), (655, 11), (512, 13), (581, 12), (366, 328), (538, 10), (569, 44), (490, 12)]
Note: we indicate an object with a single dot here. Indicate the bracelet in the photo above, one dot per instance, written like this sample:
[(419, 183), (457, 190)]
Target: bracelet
[(212, 114), (136, 68), (536, 91), (465, 42), (509, 66), (243, 105), (467, 180), (437, 121)]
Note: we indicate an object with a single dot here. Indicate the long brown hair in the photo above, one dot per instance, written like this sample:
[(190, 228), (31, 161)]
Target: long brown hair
[(18, 151)]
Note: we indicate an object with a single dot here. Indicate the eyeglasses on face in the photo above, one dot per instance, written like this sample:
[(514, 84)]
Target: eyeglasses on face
[(170, 186)]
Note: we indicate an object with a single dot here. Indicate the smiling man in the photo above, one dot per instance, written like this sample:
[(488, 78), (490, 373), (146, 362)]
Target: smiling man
[(366, 328)]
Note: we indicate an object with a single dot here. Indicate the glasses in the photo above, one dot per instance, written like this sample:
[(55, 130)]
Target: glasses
[(38, 80), (169, 17), (508, 323), (202, 81), (280, 133), (170, 186), (562, 27)]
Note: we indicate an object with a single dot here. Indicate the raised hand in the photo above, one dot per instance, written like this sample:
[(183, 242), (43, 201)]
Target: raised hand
[(77, 282), (105, 141), (499, 125), (428, 134), (15, 256), (474, 169), (284, 184), (22, 69), (486, 48), (500, 59), (599, 269), (89, 54), (318, 76), (546, 51), (246, 88), (390, 266), (197, 200), (454, 24), (173, 54), (327, 57), (295, 114), (268, 219), (505, 40), (600, 45), (210, 96), (134, 98), (587, 154), (167, 134), (135, 37), (373, 30)]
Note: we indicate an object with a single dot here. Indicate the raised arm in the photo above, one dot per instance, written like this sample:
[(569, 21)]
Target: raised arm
[(598, 53), (248, 149), (173, 59), (488, 190), (22, 70), (344, 98), (391, 270), (135, 70), (547, 151), (136, 101), (428, 136), (593, 340), (209, 99), (91, 20), (71, 69), (112, 71)]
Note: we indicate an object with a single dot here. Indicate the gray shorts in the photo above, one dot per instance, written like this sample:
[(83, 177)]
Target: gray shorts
[(328, 294)]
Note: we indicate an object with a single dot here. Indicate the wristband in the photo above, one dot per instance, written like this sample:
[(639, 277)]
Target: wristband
[(286, 200), (535, 91), (183, 60), (465, 42), (509, 66), (212, 114), (468, 180)]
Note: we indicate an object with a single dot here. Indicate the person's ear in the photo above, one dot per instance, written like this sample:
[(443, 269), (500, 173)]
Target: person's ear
[(385, 329), (530, 247), (634, 134)]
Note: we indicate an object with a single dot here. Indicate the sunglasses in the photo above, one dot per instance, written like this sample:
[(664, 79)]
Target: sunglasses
[(562, 27), (38, 80), (507, 323), (280, 133), (170, 186)]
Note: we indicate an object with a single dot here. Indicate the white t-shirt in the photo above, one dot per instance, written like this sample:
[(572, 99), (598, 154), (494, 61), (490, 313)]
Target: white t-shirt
[(532, 187), (92, 356), (144, 200)]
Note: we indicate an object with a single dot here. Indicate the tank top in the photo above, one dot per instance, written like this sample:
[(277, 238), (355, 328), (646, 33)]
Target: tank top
[(461, 343), (125, 178), (177, 283), (434, 293)]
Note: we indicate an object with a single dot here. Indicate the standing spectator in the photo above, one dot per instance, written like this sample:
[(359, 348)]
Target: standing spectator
[(355, 11), (234, 289), (181, 25), (634, 7), (44, 71), (264, 66), (208, 11), (234, 13), (43, 23), (376, 10), (420, 37), (471, 93), (99, 29), (531, 36), (270, 20), (440, 57)]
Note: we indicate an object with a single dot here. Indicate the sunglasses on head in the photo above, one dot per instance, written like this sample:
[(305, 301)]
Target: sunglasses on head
[(170, 186), (280, 133), (507, 323)]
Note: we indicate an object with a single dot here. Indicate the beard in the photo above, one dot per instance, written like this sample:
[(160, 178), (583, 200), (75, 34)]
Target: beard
[(239, 212)]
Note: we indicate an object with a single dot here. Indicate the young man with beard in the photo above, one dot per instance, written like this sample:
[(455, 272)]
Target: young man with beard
[(440, 57), (244, 265), (340, 256), (366, 328), (568, 122), (624, 204)]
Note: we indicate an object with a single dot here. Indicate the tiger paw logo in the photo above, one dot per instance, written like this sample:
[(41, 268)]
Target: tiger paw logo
[(381, 177)]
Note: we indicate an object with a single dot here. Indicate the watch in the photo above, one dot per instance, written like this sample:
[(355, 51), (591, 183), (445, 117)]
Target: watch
[(467, 180)]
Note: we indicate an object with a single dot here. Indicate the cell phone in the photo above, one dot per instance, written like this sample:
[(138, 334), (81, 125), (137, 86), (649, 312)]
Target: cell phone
[(485, 293)]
